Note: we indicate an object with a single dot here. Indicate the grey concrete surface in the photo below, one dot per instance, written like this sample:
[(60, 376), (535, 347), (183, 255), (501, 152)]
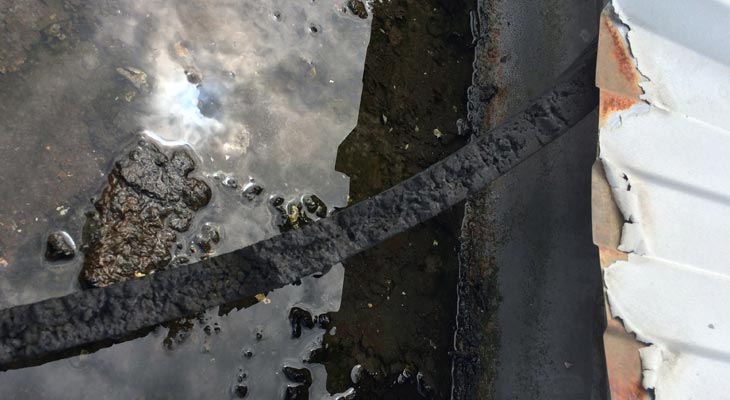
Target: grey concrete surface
[(531, 328), (550, 283)]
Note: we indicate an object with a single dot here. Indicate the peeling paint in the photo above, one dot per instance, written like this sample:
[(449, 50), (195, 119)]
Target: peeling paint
[(632, 237), (616, 70), (623, 363), (664, 74)]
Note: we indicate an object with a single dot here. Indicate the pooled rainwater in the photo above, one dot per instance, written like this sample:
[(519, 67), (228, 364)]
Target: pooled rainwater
[(260, 91), (284, 98)]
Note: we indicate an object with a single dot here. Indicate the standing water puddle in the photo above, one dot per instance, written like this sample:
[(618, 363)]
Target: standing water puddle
[(260, 94)]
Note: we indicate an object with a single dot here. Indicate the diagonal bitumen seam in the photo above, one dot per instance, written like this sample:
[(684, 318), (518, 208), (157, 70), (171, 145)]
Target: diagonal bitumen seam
[(35, 332)]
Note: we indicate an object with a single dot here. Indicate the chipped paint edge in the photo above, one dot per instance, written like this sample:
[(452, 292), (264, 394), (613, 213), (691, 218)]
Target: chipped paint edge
[(618, 79)]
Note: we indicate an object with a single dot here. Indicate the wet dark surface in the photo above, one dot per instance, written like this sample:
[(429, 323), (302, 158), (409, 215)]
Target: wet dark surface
[(399, 298), (396, 315), (398, 319), (96, 315), (268, 112)]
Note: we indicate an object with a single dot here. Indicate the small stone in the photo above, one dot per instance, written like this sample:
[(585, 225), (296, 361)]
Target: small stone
[(298, 375), (298, 318), (55, 31), (276, 201), (437, 133), (299, 392), (357, 373), (358, 8), (208, 238), (323, 320), (316, 356), (315, 206), (241, 391), (406, 375), (60, 246), (423, 388), (193, 75), (135, 76), (293, 212), (252, 190), (230, 182)]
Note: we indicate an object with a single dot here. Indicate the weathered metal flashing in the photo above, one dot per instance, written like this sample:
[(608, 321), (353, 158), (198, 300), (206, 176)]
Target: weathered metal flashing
[(616, 69), (618, 79), (664, 154)]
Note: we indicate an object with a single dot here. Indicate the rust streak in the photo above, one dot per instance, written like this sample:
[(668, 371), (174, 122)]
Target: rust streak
[(623, 362), (616, 68), (611, 102), (620, 53)]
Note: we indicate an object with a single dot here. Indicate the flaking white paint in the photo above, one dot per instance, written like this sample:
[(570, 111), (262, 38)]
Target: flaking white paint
[(668, 165)]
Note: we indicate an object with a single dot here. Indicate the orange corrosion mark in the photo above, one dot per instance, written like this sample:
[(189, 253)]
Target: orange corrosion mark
[(623, 362), (611, 102), (609, 256), (616, 68), (620, 53)]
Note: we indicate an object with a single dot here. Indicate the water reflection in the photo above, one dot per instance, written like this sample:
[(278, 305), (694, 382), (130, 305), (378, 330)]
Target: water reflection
[(262, 92), (258, 94)]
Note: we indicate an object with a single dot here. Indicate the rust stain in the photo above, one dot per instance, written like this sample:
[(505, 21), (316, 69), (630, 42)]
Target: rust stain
[(609, 256), (623, 362), (620, 53), (616, 69), (494, 115), (611, 102)]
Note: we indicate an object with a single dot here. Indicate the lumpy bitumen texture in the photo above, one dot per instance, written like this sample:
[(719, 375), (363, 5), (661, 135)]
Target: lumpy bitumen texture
[(30, 332), (148, 199)]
